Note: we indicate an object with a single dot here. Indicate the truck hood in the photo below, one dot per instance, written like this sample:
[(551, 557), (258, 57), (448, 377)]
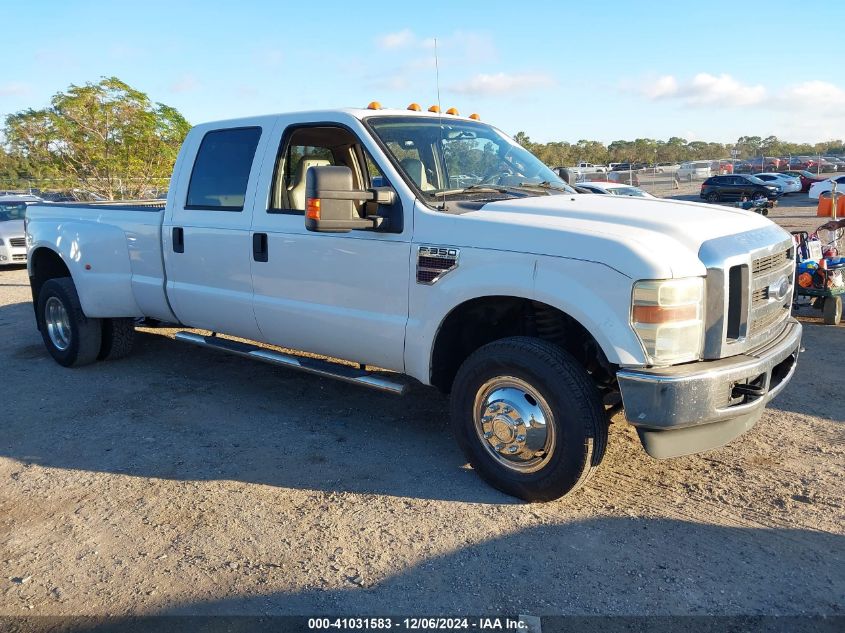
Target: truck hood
[(10, 229), (640, 237)]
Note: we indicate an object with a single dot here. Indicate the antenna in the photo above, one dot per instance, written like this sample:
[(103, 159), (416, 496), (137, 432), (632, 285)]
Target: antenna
[(439, 108)]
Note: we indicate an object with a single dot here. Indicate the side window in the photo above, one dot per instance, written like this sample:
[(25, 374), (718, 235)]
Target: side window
[(221, 169)]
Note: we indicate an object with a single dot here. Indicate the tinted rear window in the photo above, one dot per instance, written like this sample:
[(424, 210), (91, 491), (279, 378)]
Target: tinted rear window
[(221, 170)]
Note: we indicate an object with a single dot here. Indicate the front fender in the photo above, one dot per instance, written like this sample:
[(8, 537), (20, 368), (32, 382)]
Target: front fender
[(97, 257), (595, 295)]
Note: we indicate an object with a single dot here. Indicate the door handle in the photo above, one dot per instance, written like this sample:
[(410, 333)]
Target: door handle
[(259, 247), (178, 239)]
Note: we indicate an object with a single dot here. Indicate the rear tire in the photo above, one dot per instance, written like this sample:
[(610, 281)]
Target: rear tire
[(117, 339), (71, 338), (832, 310), (528, 418)]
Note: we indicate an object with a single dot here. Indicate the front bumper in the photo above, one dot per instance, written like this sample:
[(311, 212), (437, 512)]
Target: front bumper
[(698, 406), (12, 255)]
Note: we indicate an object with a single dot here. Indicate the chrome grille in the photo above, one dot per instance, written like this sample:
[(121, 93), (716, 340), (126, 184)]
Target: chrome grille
[(17, 242), (766, 311), (770, 262)]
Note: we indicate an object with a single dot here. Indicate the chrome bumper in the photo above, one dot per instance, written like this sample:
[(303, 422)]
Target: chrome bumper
[(695, 407)]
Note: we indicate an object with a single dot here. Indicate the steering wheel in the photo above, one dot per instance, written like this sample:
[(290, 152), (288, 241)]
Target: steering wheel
[(495, 173)]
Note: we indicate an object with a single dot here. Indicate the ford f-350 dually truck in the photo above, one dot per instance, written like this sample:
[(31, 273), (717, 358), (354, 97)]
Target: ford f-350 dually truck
[(471, 268)]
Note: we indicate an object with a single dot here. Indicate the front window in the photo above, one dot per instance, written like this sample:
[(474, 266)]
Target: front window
[(628, 191), (12, 211), (447, 157)]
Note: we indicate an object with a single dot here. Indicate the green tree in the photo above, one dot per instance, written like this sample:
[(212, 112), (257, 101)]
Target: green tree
[(107, 138)]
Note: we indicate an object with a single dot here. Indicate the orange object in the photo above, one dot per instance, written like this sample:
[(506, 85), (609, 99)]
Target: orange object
[(415, 107), (805, 280), (825, 208), (312, 208), (374, 105), (474, 117), (453, 111), (660, 314), (434, 108)]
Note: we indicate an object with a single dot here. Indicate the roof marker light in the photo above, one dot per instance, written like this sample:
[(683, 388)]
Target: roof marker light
[(415, 107), (374, 105), (474, 116), (453, 111), (434, 108)]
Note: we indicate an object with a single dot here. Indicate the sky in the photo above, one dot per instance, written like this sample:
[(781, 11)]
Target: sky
[(558, 71)]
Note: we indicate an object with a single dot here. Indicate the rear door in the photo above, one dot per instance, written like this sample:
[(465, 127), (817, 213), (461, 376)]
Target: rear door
[(206, 237)]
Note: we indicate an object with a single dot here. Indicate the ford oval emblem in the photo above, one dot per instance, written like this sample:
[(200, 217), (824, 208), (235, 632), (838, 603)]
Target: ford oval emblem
[(780, 289)]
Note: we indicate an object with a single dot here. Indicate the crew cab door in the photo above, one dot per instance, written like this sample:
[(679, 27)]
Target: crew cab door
[(343, 295), (206, 238)]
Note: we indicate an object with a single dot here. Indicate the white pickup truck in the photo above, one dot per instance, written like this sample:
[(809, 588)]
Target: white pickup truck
[(542, 311)]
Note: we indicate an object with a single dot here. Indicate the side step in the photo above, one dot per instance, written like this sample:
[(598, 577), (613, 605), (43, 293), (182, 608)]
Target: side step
[(310, 365)]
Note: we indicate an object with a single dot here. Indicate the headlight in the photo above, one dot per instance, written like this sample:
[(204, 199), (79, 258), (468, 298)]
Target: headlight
[(668, 317)]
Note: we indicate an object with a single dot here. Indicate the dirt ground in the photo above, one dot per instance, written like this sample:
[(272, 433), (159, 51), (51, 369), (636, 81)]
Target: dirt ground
[(183, 481)]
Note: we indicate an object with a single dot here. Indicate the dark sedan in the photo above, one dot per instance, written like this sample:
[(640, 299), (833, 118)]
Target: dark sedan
[(737, 187)]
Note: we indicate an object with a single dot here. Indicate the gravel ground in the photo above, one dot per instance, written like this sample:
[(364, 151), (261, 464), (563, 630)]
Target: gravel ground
[(184, 481)]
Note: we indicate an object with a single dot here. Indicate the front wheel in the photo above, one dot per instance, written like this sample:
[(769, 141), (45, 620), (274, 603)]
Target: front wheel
[(832, 310), (71, 338), (528, 418), (713, 198)]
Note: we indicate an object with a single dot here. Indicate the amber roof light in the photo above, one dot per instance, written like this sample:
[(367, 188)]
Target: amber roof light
[(453, 111), (434, 108), (415, 107), (374, 105)]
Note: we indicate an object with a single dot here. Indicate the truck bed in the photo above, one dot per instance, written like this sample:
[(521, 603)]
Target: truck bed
[(115, 245)]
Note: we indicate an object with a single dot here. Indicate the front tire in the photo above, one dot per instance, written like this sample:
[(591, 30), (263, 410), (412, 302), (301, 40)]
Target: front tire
[(71, 338), (832, 310), (713, 198), (528, 418)]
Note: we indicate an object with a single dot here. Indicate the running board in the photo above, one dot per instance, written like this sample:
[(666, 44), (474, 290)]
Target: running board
[(309, 365)]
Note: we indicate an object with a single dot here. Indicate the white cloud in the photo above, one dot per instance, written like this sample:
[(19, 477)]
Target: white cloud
[(185, 83), (662, 87), (502, 83), (820, 95), (705, 90), (14, 89), (399, 39)]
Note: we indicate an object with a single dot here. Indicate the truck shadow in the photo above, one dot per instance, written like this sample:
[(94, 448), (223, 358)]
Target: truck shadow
[(178, 412), (174, 411), (601, 566)]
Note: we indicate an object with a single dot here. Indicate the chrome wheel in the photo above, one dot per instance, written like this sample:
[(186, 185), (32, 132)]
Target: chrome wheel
[(515, 424), (58, 323)]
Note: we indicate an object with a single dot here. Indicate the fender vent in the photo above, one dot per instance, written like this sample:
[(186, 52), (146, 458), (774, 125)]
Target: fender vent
[(435, 261)]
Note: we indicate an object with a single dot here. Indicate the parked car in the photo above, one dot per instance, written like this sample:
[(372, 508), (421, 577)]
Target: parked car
[(788, 184), (820, 186), (624, 177), (12, 235), (802, 163), (722, 167), (614, 189), (804, 176), (629, 167), (532, 307), (737, 187), (695, 170)]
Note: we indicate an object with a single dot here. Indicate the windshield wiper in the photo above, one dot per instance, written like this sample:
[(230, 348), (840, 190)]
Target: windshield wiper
[(521, 188)]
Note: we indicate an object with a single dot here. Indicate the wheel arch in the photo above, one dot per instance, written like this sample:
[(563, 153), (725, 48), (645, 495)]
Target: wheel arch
[(45, 264), (481, 320)]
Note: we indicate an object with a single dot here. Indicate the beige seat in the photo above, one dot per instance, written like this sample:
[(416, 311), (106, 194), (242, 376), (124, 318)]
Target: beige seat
[(416, 170), (296, 193)]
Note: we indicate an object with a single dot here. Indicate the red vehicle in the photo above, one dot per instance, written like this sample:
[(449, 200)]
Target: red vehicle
[(722, 167), (805, 176)]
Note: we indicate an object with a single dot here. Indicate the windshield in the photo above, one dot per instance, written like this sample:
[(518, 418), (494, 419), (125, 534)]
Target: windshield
[(12, 211), (627, 191), (454, 155)]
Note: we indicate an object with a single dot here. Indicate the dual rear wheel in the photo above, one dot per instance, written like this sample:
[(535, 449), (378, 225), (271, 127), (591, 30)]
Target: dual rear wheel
[(72, 338)]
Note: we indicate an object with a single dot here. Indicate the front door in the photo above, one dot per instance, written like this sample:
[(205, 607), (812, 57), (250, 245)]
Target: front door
[(343, 295)]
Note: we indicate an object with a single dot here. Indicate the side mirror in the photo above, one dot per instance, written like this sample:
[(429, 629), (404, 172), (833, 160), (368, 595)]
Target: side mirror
[(330, 198)]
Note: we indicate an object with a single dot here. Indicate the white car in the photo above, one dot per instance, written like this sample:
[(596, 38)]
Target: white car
[(695, 170), (12, 237), (817, 188), (614, 188), (788, 184)]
